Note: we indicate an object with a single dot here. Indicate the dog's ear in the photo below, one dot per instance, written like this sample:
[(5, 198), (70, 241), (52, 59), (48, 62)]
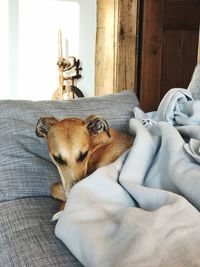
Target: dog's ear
[(43, 126), (96, 125)]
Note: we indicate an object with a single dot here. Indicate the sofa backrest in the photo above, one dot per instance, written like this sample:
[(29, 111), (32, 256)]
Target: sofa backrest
[(25, 166)]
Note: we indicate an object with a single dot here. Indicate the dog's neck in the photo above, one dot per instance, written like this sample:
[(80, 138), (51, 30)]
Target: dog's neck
[(105, 149), (100, 140)]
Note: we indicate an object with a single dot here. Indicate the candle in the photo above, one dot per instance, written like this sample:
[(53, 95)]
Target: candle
[(59, 44)]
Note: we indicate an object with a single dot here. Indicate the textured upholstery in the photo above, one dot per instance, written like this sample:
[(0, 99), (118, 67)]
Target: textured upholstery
[(25, 167), (27, 235), (26, 174)]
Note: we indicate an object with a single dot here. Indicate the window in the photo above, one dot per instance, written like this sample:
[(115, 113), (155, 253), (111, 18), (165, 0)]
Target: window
[(4, 51), (29, 47)]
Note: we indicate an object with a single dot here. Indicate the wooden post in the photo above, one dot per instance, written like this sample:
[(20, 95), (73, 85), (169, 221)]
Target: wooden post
[(115, 45), (125, 50), (60, 58), (104, 72)]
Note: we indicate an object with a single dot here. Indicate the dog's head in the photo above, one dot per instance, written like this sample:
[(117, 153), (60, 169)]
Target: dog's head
[(71, 141)]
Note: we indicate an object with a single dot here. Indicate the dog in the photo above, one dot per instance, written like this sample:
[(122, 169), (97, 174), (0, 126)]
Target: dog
[(78, 147)]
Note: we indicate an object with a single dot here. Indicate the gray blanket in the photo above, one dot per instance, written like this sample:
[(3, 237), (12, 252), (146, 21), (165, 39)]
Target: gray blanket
[(143, 209)]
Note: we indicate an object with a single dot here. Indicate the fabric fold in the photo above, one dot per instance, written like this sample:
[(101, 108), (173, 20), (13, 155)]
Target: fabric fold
[(143, 209)]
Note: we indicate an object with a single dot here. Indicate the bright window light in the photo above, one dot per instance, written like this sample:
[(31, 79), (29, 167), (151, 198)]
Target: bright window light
[(4, 51), (39, 22), (36, 74)]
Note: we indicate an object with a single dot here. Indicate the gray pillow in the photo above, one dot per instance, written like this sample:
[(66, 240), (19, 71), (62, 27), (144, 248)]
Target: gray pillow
[(25, 167)]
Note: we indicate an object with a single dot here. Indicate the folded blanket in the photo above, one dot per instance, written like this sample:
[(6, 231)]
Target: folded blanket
[(143, 209)]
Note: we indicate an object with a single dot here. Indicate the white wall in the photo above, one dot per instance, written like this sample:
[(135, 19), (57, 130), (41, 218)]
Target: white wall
[(87, 45)]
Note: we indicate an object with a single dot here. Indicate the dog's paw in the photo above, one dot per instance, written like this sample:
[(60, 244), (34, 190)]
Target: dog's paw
[(56, 216)]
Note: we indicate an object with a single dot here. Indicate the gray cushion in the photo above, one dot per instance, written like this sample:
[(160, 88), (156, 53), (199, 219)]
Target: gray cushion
[(25, 167), (27, 235)]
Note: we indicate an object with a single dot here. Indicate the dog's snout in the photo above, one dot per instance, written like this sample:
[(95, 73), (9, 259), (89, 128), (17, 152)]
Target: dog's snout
[(72, 173)]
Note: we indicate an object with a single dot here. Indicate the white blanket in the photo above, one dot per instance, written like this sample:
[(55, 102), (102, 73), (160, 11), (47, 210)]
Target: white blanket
[(143, 209)]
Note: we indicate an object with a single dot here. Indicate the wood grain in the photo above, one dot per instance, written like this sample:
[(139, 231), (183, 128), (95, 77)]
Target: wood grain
[(115, 45), (169, 48), (104, 61), (151, 57), (179, 58), (126, 45), (182, 14)]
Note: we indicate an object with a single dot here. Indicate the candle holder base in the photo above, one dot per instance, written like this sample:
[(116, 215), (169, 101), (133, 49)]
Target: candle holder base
[(70, 92)]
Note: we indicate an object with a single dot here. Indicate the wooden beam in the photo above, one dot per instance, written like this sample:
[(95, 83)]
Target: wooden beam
[(115, 45), (104, 47), (125, 45)]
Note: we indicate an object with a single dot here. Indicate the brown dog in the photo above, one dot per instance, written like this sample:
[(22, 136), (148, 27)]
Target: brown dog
[(78, 147)]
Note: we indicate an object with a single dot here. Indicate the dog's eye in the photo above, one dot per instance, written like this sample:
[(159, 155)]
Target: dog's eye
[(59, 159), (82, 156)]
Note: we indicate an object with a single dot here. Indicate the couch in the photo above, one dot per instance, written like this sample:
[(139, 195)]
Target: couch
[(143, 209), (26, 173)]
